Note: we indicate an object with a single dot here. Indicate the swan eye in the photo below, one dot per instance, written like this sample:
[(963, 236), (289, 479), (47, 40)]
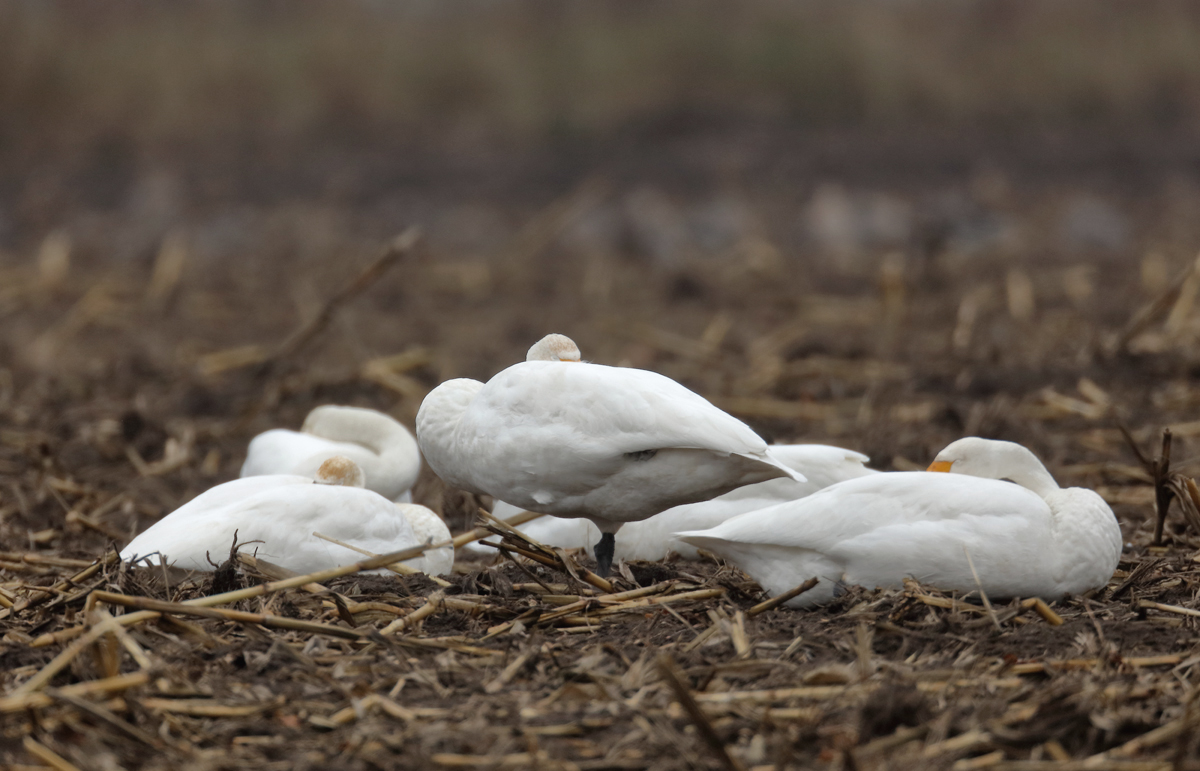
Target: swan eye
[(641, 454)]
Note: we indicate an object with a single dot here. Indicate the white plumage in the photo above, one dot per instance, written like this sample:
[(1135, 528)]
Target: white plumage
[(384, 449), (654, 538), (283, 511), (428, 526), (1026, 539), (563, 437)]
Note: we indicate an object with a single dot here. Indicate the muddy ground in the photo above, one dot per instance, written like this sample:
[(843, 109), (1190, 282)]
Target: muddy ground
[(886, 293)]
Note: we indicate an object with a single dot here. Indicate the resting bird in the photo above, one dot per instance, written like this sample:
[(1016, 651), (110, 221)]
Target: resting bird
[(379, 444), (654, 538), (283, 511), (1026, 537), (555, 435)]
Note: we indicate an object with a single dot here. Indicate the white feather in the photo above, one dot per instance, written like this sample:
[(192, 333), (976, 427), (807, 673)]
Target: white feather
[(283, 511), (573, 439), (653, 538), (428, 526), (384, 449), (877, 530)]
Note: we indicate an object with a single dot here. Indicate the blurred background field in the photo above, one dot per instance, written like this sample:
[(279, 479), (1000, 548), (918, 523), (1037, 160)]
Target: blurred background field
[(880, 224), (954, 185), (266, 72)]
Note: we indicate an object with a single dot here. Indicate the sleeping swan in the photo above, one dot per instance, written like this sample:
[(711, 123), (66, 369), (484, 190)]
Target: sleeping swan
[(559, 436), (378, 443), (282, 511), (1027, 539), (654, 538)]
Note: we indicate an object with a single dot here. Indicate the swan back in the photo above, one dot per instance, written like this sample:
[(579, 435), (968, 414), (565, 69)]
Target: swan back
[(281, 513), (607, 410), (579, 439)]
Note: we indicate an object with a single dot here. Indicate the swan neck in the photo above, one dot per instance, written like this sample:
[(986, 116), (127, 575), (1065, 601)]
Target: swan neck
[(378, 433), (1000, 460), (1038, 480), (390, 440)]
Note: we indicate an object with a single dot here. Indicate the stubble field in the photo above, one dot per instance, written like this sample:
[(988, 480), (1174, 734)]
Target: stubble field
[(884, 290)]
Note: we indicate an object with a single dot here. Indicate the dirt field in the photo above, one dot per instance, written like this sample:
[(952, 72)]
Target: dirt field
[(885, 288)]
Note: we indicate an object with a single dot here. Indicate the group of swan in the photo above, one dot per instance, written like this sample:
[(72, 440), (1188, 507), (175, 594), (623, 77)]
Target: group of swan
[(614, 446), (604, 449), (337, 476), (381, 446), (655, 538)]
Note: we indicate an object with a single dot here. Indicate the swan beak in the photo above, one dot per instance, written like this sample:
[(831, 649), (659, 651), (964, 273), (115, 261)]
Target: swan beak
[(941, 465)]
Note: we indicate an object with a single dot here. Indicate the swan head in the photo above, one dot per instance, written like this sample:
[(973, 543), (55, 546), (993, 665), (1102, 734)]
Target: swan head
[(342, 472), (553, 348), (995, 459)]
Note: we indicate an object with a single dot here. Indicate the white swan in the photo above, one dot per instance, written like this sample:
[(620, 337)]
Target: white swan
[(1026, 539), (614, 445), (378, 443), (282, 511), (653, 538)]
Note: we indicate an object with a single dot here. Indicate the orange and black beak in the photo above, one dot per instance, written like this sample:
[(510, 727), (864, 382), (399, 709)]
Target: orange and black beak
[(941, 465)]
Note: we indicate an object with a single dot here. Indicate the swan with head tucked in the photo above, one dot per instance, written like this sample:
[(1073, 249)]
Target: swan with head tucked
[(1026, 537), (654, 538), (282, 511), (559, 436), (384, 449)]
